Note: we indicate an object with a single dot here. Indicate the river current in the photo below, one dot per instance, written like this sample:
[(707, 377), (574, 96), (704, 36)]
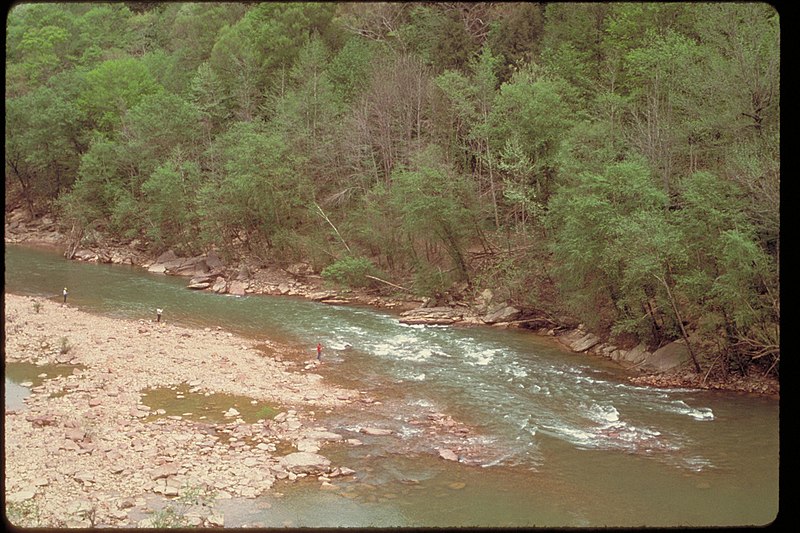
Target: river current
[(564, 440)]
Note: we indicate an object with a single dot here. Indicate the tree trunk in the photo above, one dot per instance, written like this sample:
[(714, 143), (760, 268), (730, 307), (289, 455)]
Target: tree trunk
[(680, 322)]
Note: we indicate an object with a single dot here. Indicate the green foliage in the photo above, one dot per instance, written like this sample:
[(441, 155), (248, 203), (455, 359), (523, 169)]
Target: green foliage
[(112, 88), (41, 155), (639, 142), (351, 271), (94, 193), (431, 281), (257, 190), (169, 198), (434, 203), (349, 70), (611, 238), (730, 279), (24, 514), (531, 112), (64, 346), (516, 35), (438, 37)]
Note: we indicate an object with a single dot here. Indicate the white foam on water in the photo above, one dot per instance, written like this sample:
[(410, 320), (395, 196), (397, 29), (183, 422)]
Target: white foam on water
[(697, 464), (482, 357), (407, 432), (698, 413), (515, 370), (577, 436), (417, 356), (412, 326), (603, 413)]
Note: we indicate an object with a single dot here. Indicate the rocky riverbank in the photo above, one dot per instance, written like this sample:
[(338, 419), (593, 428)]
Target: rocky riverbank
[(90, 449), (87, 450), (665, 367)]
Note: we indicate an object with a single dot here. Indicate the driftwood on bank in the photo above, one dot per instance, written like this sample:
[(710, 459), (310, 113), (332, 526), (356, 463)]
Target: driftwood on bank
[(387, 283)]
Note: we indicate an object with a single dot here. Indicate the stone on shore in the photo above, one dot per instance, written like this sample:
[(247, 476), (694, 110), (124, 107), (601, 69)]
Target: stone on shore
[(376, 431), (667, 357), (501, 313), (431, 316), (305, 463), (448, 455)]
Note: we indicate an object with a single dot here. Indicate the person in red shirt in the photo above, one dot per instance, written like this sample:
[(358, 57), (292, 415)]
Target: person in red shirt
[(319, 352)]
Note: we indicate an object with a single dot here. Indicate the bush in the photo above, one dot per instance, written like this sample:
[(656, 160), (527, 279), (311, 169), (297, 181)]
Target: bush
[(24, 514), (351, 271), (431, 281), (65, 347)]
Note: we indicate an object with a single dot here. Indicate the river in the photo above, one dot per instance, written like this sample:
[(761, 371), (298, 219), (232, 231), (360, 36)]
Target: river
[(564, 439)]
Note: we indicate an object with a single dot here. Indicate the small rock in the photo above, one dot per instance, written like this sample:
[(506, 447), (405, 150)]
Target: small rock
[(20, 496), (448, 455), (376, 431)]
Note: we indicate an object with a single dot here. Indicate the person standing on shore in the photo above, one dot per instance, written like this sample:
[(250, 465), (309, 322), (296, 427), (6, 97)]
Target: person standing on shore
[(319, 352), (158, 314), (64, 293)]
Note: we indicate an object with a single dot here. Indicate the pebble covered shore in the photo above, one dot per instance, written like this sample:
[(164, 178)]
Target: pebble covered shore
[(86, 450)]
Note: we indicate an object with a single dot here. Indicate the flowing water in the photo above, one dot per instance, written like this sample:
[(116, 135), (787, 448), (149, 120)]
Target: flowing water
[(559, 439)]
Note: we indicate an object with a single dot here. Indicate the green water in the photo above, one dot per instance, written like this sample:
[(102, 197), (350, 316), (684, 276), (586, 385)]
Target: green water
[(559, 439), (20, 378), (182, 401)]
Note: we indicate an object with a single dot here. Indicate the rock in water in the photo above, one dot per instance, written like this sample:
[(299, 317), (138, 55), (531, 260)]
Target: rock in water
[(305, 463)]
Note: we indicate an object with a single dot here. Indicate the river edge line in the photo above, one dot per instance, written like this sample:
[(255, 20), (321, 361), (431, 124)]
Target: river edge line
[(668, 369)]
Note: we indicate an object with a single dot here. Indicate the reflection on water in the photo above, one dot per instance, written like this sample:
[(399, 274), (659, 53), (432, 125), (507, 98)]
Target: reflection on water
[(569, 441), (15, 395)]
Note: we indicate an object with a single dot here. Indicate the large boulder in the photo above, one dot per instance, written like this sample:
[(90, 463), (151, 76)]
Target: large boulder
[(305, 463), (170, 263), (200, 282), (579, 340), (220, 285), (431, 316), (376, 431), (160, 265), (484, 300), (585, 342), (237, 287), (214, 261), (668, 357), (192, 266), (501, 313), (635, 356)]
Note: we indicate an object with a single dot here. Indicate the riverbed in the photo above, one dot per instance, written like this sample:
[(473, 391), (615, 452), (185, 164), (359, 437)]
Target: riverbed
[(540, 436)]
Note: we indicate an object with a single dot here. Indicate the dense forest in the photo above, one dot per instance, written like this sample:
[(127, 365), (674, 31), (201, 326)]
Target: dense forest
[(613, 162)]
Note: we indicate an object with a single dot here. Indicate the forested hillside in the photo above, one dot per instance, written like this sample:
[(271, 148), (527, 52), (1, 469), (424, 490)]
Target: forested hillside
[(616, 162)]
